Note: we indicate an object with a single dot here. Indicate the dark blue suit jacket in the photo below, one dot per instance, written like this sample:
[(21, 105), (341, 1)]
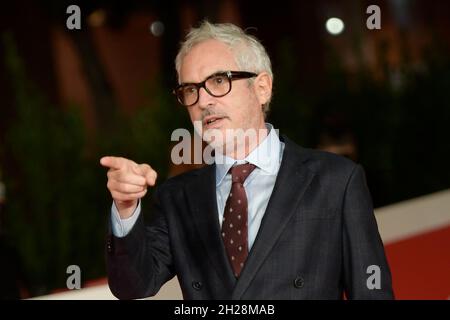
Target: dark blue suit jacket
[(317, 239)]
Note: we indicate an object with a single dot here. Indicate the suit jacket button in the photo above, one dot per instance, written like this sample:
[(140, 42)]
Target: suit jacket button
[(299, 282), (197, 285), (109, 246)]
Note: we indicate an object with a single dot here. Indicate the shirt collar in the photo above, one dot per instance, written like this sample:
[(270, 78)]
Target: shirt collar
[(266, 156)]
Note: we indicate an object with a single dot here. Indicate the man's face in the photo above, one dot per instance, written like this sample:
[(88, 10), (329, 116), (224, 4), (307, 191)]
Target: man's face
[(241, 108)]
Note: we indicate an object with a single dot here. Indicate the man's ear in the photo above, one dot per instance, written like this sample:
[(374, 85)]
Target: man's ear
[(263, 87)]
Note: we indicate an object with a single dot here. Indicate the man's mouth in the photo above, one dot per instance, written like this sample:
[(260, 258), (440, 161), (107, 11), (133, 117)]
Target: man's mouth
[(212, 122)]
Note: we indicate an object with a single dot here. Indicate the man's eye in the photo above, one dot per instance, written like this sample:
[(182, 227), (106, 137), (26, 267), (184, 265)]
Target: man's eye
[(219, 80), (189, 90)]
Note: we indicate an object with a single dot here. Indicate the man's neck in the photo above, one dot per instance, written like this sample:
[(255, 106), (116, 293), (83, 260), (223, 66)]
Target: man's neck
[(244, 146)]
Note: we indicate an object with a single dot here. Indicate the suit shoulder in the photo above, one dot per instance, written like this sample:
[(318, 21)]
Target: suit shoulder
[(331, 159), (328, 163), (317, 157), (335, 169)]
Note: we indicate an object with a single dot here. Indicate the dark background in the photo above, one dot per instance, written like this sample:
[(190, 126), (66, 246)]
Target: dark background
[(68, 97)]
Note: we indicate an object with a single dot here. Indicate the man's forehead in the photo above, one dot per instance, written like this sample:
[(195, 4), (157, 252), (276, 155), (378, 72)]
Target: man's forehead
[(205, 59)]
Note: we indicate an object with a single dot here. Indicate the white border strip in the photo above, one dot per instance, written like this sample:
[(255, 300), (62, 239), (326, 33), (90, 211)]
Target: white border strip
[(414, 217)]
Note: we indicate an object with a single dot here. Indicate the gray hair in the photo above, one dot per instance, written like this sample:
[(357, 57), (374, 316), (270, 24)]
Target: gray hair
[(250, 54)]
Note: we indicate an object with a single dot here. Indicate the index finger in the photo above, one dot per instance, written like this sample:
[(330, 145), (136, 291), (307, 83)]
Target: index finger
[(113, 162)]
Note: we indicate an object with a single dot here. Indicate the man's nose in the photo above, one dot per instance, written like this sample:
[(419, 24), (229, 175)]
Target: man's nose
[(204, 98)]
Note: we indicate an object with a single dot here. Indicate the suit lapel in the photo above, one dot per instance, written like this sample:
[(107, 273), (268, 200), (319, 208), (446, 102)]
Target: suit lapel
[(201, 195), (292, 181)]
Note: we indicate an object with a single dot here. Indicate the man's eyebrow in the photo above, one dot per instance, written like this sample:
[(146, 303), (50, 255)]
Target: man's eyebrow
[(215, 72), (219, 71)]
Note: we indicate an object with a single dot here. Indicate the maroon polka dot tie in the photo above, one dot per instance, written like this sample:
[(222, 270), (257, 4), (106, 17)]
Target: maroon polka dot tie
[(234, 225)]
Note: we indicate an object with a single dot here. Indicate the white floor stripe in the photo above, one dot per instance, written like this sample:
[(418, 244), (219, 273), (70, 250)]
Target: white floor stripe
[(413, 217)]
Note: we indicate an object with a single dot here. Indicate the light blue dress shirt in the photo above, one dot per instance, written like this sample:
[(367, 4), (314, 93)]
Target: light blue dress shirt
[(258, 185)]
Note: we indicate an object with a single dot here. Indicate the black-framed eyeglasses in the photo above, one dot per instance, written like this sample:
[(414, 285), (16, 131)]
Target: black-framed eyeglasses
[(217, 85)]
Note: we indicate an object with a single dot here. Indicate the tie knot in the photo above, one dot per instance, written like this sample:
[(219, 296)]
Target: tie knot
[(240, 172)]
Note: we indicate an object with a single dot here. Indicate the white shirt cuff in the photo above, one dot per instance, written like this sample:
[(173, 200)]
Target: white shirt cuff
[(121, 227)]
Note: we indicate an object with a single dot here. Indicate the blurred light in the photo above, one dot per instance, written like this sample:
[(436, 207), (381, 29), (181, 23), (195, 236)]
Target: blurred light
[(97, 18), (334, 26), (157, 28)]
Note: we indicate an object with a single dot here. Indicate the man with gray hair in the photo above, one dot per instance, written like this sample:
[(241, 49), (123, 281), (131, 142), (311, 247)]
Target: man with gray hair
[(268, 220)]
